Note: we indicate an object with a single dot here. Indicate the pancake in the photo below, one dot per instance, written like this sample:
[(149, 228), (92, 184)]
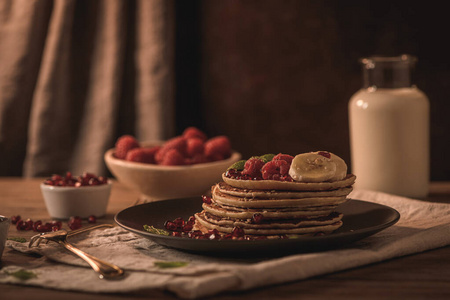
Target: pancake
[(290, 186), (228, 200), (225, 188), (232, 212), (325, 228), (274, 223)]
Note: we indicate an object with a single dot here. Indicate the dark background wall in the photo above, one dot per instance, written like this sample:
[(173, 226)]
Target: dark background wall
[(276, 76)]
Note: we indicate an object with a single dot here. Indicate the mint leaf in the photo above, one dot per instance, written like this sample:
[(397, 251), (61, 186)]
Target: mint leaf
[(239, 165), (170, 264), (267, 157), (22, 274), (17, 239), (155, 230)]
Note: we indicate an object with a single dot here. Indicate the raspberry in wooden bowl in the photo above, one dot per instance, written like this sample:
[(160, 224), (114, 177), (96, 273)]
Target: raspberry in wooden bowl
[(83, 196), (184, 166)]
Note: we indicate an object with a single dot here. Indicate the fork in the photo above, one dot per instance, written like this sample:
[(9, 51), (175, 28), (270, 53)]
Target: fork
[(69, 234), (105, 269)]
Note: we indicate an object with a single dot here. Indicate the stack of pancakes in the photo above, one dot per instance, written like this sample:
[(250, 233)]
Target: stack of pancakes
[(274, 208)]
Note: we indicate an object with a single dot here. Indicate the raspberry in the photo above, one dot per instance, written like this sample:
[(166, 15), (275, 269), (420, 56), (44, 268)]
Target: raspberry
[(194, 146), (288, 158), (218, 146), (172, 158), (124, 144), (253, 167), (178, 143), (275, 169), (194, 132), (197, 159), (143, 155)]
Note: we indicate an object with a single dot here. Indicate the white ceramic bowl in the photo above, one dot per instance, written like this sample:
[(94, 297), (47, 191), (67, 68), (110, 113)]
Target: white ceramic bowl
[(65, 201), (157, 182), (4, 226)]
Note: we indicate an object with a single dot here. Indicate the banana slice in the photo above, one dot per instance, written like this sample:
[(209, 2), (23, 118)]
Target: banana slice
[(341, 166), (312, 167)]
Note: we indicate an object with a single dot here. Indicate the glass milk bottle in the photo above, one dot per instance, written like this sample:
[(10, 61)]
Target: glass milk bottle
[(389, 129)]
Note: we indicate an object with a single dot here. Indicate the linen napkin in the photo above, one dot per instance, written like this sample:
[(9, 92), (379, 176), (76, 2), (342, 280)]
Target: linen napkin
[(422, 226)]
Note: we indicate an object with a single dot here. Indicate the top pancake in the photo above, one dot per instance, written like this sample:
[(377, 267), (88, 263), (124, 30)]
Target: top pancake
[(290, 186), (279, 194)]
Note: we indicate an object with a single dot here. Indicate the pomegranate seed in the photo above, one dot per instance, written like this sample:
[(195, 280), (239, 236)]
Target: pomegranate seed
[(69, 180), (191, 220), (187, 227), (56, 224), (72, 182), (56, 177), (286, 178), (213, 231), (83, 181), (49, 182), (74, 226), (237, 232), (74, 223), (20, 225), (324, 154), (206, 199), (89, 175), (75, 219), (257, 218), (55, 228), (179, 222), (227, 236), (43, 228), (28, 224), (36, 224), (169, 225), (195, 234), (92, 219), (94, 181), (176, 233), (15, 219), (103, 180)]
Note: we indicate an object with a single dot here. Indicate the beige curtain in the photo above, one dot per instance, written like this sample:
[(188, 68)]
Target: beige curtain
[(75, 75)]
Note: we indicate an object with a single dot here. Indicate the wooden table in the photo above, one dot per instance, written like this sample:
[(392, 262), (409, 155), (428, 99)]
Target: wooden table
[(420, 276)]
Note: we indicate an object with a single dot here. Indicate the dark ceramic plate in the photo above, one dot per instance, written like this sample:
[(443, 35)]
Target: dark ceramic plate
[(361, 219)]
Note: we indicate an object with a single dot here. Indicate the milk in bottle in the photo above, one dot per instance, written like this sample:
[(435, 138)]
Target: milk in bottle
[(389, 129)]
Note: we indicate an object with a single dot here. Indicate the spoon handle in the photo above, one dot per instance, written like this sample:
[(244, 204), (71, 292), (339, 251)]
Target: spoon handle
[(81, 230), (106, 270)]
